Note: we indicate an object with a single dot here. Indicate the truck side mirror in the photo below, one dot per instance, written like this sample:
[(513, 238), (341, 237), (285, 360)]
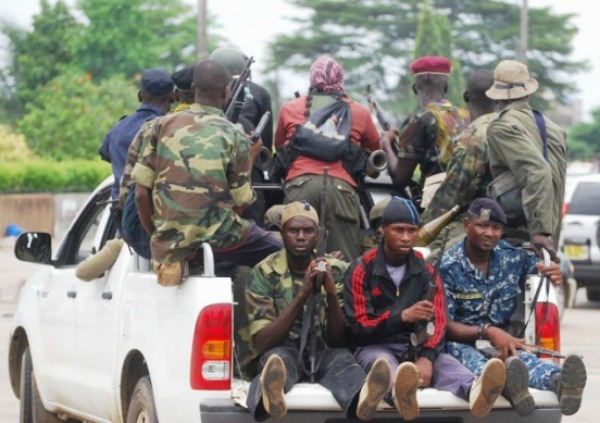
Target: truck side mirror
[(35, 247)]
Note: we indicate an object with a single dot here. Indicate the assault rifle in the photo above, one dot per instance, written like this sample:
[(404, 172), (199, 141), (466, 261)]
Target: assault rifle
[(316, 298), (260, 127), (492, 352), (234, 104), (424, 330)]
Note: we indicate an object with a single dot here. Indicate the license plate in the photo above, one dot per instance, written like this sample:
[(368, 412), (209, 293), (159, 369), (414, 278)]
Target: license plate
[(576, 251)]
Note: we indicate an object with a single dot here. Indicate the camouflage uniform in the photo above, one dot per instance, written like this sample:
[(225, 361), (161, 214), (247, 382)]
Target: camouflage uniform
[(467, 178), (474, 298), (197, 165), (429, 136), (270, 289), (515, 145)]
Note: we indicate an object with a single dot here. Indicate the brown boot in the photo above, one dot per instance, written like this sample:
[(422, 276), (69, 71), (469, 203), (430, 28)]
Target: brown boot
[(376, 386), (272, 381), (487, 388), (406, 384)]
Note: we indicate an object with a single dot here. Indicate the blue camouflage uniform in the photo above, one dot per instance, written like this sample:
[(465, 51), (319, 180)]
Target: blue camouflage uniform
[(475, 298)]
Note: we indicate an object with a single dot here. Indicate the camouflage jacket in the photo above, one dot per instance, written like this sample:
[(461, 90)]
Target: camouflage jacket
[(468, 173), (429, 136), (474, 298), (197, 164), (271, 287)]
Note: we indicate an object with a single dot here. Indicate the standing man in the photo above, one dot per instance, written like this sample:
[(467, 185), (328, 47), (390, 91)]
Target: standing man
[(192, 182), (156, 96), (482, 277), (427, 137), (468, 174), (531, 151), (303, 180), (277, 293), (385, 300)]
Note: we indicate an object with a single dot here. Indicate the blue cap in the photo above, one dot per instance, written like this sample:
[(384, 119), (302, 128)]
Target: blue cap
[(157, 82), (400, 210), (487, 209)]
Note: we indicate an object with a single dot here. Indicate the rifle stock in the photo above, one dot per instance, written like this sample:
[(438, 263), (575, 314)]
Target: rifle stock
[(424, 330)]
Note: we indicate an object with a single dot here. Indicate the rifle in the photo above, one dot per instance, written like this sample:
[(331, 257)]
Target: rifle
[(381, 116), (234, 104), (265, 158), (424, 330), (315, 298), (492, 352)]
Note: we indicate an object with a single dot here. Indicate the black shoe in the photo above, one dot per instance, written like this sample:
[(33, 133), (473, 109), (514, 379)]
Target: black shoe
[(573, 377), (272, 382), (517, 387)]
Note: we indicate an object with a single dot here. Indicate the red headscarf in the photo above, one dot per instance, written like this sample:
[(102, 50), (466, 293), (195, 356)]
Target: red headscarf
[(326, 75)]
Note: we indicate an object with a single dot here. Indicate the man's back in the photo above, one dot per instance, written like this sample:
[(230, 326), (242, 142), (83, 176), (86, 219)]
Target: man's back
[(515, 144)]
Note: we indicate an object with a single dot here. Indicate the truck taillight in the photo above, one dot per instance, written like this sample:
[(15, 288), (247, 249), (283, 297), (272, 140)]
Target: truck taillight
[(547, 322), (211, 350)]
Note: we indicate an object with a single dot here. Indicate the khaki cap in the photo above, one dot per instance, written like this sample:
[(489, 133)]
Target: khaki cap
[(511, 81)]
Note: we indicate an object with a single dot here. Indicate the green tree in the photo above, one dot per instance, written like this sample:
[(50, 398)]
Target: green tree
[(375, 40), (74, 113), (127, 36), (38, 56), (584, 139)]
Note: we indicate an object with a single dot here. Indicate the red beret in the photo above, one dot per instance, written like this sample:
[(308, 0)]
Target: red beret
[(431, 64)]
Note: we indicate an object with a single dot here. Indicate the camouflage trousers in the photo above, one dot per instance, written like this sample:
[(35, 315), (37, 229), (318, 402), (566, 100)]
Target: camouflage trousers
[(540, 371)]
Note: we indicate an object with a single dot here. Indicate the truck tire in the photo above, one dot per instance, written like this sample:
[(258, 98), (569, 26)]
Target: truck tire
[(141, 407), (32, 409)]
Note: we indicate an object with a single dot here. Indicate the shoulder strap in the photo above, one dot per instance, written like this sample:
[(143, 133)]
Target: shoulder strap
[(541, 124)]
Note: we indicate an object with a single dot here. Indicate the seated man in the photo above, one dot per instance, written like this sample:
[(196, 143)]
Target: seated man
[(192, 183), (277, 297), (385, 300), (373, 237), (481, 276)]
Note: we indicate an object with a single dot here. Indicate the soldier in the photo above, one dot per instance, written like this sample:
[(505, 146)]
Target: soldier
[(481, 276), (468, 173), (303, 179), (184, 94), (384, 293), (276, 297), (375, 215), (528, 159), (156, 96), (192, 182), (427, 137)]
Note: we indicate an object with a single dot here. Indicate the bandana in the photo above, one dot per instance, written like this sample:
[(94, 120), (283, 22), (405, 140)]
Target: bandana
[(326, 75)]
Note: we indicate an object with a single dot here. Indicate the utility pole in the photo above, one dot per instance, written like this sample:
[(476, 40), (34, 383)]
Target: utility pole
[(524, 36), (202, 42)]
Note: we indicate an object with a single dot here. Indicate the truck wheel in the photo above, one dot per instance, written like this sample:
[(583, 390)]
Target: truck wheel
[(141, 407), (32, 409), (593, 294)]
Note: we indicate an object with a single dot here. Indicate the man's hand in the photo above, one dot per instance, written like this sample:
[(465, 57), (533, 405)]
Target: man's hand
[(540, 241), (310, 276), (425, 371), (553, 272), (422, 310), (338, 255), (388, 139), (506, 344)]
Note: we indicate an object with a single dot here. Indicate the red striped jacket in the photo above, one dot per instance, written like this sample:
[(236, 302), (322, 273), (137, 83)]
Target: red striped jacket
[(373, 304)]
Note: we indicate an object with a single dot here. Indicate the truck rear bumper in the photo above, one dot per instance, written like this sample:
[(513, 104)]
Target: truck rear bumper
[(225, 412)]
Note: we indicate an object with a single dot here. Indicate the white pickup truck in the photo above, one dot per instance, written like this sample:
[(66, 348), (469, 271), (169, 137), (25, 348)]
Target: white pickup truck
[(122, 348)]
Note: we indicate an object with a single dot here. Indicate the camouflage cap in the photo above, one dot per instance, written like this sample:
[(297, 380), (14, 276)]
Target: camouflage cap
[(299, 208)]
